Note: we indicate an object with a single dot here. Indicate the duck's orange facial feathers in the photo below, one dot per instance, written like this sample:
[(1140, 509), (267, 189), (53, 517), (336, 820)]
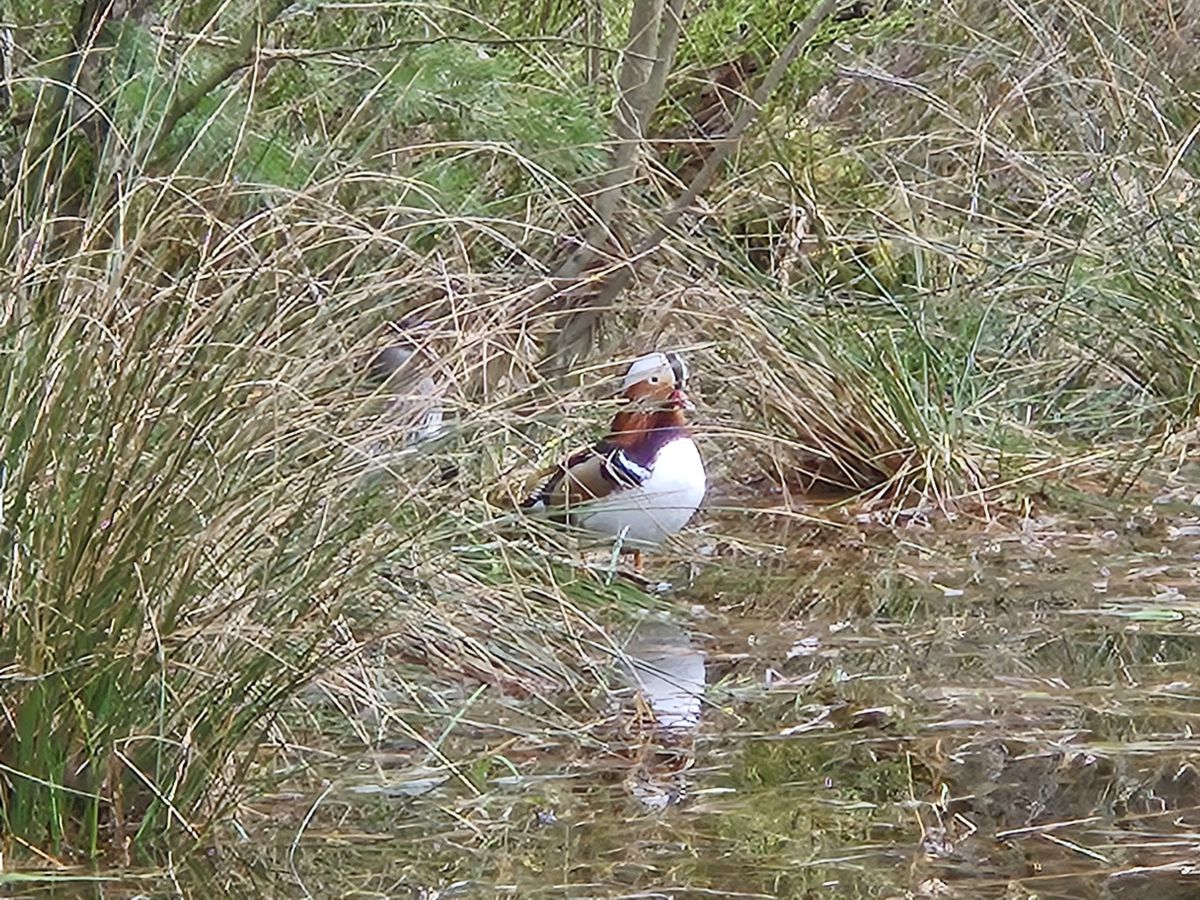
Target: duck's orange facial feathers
[(649, 393), (632, 426), (657, 403)]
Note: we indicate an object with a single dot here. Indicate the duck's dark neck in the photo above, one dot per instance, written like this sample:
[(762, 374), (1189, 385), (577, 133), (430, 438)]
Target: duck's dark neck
[(642, 434)]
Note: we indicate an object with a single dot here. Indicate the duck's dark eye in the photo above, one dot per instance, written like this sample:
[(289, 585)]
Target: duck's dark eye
[(654, 379)]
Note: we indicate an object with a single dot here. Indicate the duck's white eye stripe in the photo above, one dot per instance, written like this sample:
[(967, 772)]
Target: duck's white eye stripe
[(679, 368), (624, 469)]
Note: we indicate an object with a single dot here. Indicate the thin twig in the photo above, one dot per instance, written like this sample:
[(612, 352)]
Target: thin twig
[(399, 44), (242, 56)]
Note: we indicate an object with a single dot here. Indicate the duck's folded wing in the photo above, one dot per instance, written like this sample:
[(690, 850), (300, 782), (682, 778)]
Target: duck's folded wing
[(588, 475)]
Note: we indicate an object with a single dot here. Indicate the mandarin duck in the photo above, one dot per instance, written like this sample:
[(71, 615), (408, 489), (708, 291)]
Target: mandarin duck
[(644, 481)]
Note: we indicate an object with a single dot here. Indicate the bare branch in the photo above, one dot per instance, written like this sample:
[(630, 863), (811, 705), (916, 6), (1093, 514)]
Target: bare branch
[(582, 321), (637, 65), (668, 41), (594, 29), (7, 47), (636, 69)]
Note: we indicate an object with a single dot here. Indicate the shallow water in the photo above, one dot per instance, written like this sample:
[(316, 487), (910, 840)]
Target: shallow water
[(968, 710)]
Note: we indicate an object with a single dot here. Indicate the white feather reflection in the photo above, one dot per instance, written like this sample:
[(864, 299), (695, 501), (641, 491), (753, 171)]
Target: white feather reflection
[(667, 668)]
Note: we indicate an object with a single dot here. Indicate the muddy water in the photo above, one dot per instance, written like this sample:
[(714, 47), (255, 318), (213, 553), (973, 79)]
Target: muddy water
[(1001, 710), (966, 710)]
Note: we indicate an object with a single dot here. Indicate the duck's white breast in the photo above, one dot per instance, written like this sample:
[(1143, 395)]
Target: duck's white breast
[(660, 506)]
